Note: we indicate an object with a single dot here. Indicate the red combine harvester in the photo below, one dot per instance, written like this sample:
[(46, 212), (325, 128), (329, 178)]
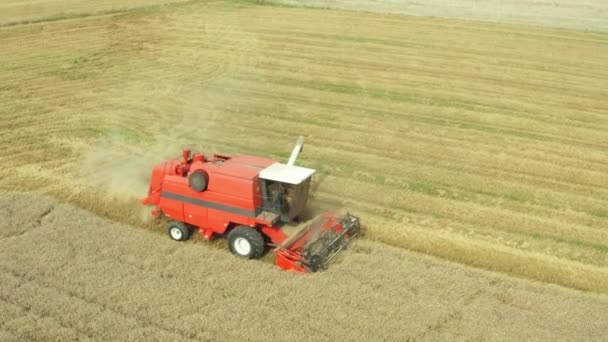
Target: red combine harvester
[(251, 200)]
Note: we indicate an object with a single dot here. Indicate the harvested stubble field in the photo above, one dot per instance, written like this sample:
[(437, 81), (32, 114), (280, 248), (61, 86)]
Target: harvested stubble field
[(481, 143), (67, 274)]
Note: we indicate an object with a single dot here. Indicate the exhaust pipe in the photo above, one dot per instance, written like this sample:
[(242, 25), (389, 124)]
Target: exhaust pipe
[(186, 155), (296, 151)]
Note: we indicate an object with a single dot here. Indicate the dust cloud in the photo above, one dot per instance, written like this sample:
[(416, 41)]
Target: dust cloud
[(151, 121)]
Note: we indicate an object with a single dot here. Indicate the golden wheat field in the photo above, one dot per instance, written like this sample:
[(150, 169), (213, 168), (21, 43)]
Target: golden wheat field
[(475, 143), (89, 278)]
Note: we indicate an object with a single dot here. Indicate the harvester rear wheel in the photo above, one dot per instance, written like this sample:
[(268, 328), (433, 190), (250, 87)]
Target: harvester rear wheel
[(246, 242), (178, 231)]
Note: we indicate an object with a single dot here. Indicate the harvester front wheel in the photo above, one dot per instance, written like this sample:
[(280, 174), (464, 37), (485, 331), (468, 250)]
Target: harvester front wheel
[(178, 231), (246, 242)]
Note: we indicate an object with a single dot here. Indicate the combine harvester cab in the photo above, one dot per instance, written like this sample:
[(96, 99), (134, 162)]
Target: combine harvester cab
[(254, 202)]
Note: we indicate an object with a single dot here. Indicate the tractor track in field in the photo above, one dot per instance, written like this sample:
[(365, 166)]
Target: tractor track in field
[(67, 13), (40, 316), (44, 214), (77, 300)]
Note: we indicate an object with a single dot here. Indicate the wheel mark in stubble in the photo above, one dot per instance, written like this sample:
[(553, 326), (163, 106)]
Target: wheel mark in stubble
[(43, 215), (440, 324), (104, 307), (28, 310), (38, 223)]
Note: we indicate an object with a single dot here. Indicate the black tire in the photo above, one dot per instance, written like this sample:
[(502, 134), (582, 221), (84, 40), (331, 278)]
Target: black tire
[(198, 181), (240, 237), (178, 231)]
